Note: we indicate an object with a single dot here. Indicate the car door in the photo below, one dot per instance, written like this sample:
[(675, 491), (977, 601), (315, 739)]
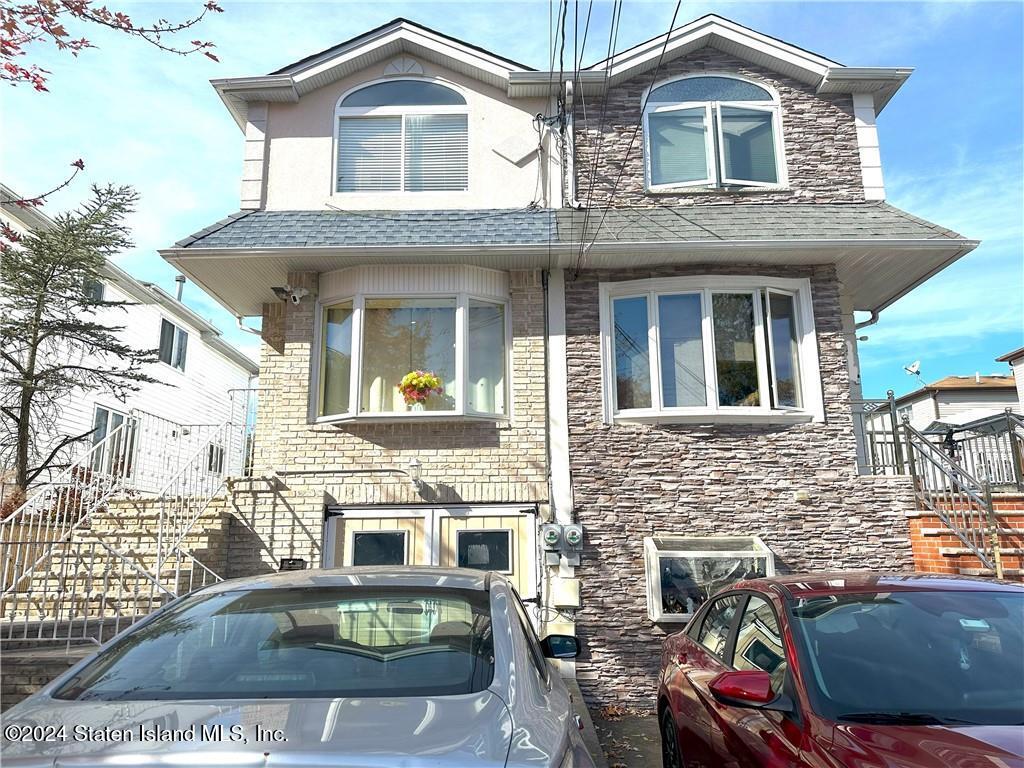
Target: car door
[(698, 661), (753, 738)]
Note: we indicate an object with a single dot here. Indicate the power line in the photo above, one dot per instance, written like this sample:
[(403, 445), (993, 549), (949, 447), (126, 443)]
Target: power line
[(629, 148)]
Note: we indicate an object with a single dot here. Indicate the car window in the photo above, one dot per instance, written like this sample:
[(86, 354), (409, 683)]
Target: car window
[(539, 660), (301, 643), (945, 656), (759, 643), (714, 630)]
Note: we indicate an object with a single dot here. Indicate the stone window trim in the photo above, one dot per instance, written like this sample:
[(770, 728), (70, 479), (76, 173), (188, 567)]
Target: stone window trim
[(403, 112), (812, 408), (716, 183), (461, 412)]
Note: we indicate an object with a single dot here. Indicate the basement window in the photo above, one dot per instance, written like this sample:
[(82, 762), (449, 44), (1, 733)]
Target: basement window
[(684, 572), (724, 348)]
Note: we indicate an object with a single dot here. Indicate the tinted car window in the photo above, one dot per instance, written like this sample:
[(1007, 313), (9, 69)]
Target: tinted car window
[(759, 643), (951, 656), (714, 630), (536, 653), (301, 643)]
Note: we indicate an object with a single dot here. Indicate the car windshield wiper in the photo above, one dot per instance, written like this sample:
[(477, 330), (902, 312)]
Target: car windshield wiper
[(903, 718)]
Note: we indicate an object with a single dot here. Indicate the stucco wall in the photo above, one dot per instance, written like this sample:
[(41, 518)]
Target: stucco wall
[(632, 481), (819, 136), (463, 461), (301, 166)]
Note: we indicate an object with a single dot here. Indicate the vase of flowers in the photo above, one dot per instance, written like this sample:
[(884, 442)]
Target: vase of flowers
[(417, 386)]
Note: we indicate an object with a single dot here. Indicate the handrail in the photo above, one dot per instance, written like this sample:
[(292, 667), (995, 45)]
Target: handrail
[(957, 498)]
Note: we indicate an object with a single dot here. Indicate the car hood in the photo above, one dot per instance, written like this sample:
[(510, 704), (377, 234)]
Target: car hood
[(925, 746), (441, 732)]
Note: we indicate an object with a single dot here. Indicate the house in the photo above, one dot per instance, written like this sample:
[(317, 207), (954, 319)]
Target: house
[(200, 378), (1015, 360), (593, 330), (957, 400), (640, 309)]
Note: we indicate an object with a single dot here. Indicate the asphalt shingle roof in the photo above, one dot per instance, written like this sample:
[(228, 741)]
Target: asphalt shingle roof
[(298, 229)]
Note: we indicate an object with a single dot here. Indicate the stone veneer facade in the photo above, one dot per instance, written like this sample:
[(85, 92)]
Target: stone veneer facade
[(819, 137), (464, 462), (632, 481)]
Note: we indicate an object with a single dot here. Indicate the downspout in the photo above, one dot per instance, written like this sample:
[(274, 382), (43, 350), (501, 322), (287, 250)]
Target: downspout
[(247, 329), (570, 137), (870, 321)]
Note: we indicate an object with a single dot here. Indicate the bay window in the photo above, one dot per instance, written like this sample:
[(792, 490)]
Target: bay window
[(731, 348), (426, 356), (712, 131)]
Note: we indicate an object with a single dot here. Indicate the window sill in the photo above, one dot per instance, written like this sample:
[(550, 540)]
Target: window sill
[(715, 417), (723, 191), (418, 417)]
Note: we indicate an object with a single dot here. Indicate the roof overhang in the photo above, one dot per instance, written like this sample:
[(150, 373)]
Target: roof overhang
[(714, 31), (875, 273), (377, 46)]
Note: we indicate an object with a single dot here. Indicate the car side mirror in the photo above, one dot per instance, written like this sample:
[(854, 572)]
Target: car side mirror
[(749, 688), (560, 647)]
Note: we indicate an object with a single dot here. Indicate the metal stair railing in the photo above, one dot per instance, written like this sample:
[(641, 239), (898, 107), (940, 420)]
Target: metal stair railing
[(958, 499), (188, 494), (57, 509)]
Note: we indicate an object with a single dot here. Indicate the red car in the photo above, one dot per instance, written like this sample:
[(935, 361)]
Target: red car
[(860, 670)]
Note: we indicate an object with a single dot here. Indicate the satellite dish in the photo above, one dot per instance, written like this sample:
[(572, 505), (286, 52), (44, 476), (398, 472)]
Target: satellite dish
[(914, 369)]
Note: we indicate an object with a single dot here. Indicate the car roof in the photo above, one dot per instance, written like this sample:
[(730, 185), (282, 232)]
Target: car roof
[(364, 576), (854, 582)]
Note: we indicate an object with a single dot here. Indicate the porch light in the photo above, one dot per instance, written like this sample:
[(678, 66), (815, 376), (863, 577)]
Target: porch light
[(414, 470)]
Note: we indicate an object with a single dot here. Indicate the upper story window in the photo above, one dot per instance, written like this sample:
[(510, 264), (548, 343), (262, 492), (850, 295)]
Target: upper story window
[(416, 354), (173, 344), (402, 136), (712, 131), (710, 348)]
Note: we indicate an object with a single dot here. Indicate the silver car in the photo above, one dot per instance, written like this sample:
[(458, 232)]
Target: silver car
[(355, 667)]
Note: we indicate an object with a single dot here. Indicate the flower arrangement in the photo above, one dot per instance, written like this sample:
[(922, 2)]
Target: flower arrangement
[(417, 386)]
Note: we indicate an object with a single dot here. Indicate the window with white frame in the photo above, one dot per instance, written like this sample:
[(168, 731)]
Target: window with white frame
[(408, 135), (709, 346), (413, 355), (173, 345), (683, 572), (712, 131)]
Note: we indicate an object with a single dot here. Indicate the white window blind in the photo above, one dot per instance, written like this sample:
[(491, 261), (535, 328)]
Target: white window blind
[(436, 153), (370, 154), (678, 148)]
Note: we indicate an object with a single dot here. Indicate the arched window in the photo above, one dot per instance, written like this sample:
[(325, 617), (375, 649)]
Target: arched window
[(712, 130), (402, 136)]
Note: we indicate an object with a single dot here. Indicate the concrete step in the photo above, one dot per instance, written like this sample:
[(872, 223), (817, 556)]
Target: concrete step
[(958, 551), (946, 532)]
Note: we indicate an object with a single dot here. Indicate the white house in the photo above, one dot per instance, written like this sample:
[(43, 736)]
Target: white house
[(1015, 360), (958, 400), (201, 378)]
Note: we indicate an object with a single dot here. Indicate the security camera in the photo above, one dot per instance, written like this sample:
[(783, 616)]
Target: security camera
[(297, 294)]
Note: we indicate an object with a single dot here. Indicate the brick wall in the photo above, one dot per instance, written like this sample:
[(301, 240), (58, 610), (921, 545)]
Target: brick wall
[(819, 136), (463, 461), (632, 481)]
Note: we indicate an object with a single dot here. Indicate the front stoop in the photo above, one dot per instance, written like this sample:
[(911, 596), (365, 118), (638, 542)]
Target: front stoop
[(937, 550)]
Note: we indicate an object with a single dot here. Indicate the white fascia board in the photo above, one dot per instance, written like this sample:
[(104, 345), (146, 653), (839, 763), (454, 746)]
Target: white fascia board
[(404, 33), (646, 55), (881, 82), (236, 91)]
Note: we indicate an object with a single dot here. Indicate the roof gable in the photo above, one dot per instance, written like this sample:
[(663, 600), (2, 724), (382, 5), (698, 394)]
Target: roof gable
[(714, 31), (389, 41)]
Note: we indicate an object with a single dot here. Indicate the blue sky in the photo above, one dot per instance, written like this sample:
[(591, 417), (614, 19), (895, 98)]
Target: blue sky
[(952, 139)]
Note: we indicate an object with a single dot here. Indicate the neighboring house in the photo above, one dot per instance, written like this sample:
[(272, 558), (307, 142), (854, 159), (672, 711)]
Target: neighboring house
[(641, 311), (957, 400), (197, 371), (1015, 360)]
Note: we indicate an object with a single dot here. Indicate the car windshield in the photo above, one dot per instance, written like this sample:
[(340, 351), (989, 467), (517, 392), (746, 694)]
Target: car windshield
[(301, 643), (926, 657)]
